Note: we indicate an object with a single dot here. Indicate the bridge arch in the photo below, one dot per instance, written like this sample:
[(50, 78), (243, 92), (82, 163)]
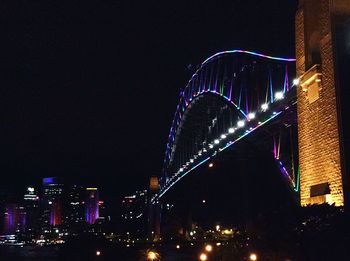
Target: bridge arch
[(231, 94)]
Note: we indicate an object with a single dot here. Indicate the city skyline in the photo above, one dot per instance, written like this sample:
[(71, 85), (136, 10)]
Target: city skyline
[(175, 131), (51, 213)]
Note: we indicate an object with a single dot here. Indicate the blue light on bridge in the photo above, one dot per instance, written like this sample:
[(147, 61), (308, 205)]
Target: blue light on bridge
[(248, 52)]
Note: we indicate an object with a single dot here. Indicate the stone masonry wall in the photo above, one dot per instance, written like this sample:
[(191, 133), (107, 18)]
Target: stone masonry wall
[(318, 133)]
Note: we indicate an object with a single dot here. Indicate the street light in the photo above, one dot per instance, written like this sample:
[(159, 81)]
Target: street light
[(98, 253), (253, 257), (151, 255), (208, 248), (203, 257), (210, 165)]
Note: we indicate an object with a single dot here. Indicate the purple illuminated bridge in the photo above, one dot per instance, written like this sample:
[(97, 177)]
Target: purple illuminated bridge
[(230, 96)]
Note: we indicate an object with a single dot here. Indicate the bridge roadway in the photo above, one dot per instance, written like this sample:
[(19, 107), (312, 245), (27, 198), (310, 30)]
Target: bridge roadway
[(281, 112)]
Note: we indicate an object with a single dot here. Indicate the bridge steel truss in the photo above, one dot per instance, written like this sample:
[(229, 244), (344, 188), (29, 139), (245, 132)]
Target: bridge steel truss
[(232, 94)]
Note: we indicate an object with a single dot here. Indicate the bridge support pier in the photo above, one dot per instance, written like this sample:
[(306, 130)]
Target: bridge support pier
[(319, 128), (154, 211)]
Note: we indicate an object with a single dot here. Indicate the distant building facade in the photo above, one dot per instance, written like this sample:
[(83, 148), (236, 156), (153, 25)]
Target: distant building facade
[(74, 211), (133, 206), (14, 219), (134, 217), (31, 205), (52, 201), (91, 205)]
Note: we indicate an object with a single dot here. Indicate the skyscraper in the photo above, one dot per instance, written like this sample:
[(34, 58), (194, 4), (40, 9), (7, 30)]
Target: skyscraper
[(91, 205), (52, 201), (14, 219), (133, 206), (75, 209), (56, 212), (31, 205), (133, 213)]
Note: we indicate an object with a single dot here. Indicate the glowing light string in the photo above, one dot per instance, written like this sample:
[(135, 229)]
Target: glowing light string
[(286, 81), (286, 174), (279, 147), (178, 177), (248, 52), (270, 84), (297, 185)]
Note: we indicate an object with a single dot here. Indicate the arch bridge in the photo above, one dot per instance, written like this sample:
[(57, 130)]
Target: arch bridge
[(235, 93), (232, 95)]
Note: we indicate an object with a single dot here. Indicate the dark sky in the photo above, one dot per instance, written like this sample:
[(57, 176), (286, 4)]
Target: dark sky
[(89, 88)]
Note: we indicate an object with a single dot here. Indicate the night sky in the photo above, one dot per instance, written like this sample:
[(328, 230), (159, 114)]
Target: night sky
[(89, 88)]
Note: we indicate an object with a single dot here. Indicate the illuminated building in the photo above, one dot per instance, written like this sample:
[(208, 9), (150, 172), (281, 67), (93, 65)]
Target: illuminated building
[(52, 201), (56, 212), (101, 225), (102, 210), (31, 204), (75, 206), (134, 205), (133, 213), (103, 216), (14, 219), (31, 195), (91, 205)]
